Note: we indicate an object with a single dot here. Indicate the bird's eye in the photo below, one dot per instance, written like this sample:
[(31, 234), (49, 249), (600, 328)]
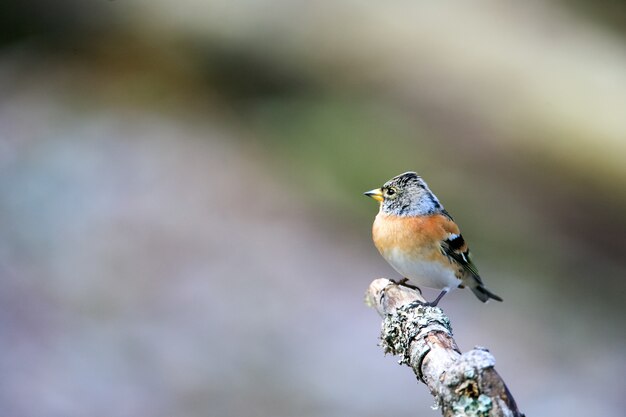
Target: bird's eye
[(391, 191)]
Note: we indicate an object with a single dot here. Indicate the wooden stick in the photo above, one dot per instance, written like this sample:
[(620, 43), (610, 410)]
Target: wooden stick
[(463, 384)]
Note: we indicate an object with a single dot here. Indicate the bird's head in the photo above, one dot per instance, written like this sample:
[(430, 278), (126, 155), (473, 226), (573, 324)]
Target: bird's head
[(406, 195)]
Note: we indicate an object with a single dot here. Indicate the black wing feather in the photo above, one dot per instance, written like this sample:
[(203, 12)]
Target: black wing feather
[(453, 248)]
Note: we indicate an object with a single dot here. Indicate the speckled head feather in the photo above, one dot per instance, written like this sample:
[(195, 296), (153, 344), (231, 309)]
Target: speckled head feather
[(408, 195)]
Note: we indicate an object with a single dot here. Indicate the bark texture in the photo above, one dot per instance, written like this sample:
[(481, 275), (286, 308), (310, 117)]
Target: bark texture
[(463, 384)]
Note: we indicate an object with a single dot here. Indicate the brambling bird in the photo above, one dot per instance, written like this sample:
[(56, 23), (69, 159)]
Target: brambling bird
[(419, 239)]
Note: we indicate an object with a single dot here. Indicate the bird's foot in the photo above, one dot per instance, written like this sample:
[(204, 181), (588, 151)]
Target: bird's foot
[(436, 300), (404, 282)]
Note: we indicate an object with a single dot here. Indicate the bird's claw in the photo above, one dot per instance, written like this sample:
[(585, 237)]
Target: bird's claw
[(403, 282)]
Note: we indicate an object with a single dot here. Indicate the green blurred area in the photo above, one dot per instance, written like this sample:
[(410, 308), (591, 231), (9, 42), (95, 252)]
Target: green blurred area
[(161, 162)]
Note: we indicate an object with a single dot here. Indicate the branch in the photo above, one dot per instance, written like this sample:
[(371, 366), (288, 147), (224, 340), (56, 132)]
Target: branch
[(463, 384)]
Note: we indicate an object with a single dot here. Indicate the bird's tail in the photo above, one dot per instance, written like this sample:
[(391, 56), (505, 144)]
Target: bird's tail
[(483, 293)]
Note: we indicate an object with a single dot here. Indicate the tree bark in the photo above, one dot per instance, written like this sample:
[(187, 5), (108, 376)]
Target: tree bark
[(463, 384)]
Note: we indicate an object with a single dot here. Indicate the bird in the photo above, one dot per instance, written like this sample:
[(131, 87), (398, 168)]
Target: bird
[(420, 240)]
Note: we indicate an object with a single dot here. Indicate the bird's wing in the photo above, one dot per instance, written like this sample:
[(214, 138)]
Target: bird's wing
[(455, 248)]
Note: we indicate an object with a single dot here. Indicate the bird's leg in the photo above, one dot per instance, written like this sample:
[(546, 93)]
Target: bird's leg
[(404, 281), (439, 297)]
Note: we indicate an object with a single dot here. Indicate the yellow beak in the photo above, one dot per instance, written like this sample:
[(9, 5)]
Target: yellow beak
[(376, 194)]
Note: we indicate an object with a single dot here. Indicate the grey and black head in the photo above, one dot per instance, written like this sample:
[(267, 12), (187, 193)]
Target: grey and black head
[(406, 195)]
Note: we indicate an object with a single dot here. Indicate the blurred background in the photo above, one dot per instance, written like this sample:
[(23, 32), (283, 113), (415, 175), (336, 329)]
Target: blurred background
[(183, 230)]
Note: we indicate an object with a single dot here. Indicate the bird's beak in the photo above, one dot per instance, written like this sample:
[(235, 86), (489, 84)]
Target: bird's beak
[(376, 194)]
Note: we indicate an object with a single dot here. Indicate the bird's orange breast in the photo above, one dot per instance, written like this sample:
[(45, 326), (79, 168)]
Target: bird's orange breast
[(418, 237)]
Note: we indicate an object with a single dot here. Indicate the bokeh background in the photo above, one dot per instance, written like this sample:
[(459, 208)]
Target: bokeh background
[(182, 226)]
